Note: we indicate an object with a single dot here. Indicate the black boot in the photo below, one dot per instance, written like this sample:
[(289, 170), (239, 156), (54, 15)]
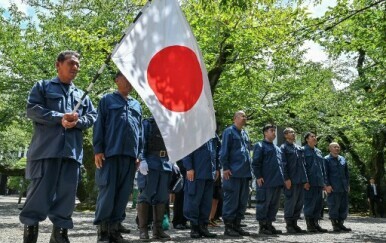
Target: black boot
[(123, 229), (335, 225), (263, 228), (229, 230), (203, 229), (158, 216), (342, 227), (297, 228), (273, 229), (143, 214), (311, 225), (103, 233), (318, 227), (114, 235), (237, 227), (290, 226), (31, 233), (195, 231), (59, 235)]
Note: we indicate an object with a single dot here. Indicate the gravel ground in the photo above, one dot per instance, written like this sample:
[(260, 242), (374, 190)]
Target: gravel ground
[(365, 229)]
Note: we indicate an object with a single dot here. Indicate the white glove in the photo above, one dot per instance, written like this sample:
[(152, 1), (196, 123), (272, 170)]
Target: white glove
[(143, 167)]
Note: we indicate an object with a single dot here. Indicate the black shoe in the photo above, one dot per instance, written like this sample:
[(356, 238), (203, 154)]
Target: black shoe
[(180, 227), (103, 233), (31, 233), (195, 232), (59, 235), (123, 229), (203, 229), (342, 227), (114, 234), (229, 229), (237, 227), (311, 225), (263, 229), (297, 228), (273, 229), (318, 227)]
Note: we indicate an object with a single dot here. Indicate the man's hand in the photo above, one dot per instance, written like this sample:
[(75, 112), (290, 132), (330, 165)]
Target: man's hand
[(99, 158), (260, 182), (227, 174), (69, 120), (190, 175), (329, 189), (217, 175), (288, 184), (307, 186)]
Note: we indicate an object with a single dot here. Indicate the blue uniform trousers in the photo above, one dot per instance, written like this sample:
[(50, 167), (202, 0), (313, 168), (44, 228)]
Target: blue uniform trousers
[(115, 182), (154, 187), (51, 192), (313, 202), (236, 194), (338, 205), (293, 205), (267, 203), (198, 196)]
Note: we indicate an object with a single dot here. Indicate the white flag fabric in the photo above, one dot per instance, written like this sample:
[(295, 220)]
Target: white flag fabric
[(161, 59)]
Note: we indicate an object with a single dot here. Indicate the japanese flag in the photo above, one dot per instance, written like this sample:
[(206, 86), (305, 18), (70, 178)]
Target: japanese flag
[(160, 57)]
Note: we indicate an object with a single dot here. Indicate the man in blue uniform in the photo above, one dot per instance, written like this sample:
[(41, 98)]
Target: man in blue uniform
[(202, 168), (236, 162), (56, 151), (313, 189), (267, 168), (153, 181), (116, 142), (337, 187), (294, 177)]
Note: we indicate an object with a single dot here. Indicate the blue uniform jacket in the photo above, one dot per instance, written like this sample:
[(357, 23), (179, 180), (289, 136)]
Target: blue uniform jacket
[(234, 153), (337, 173), (118, 128), (267, 164), (46, 105), (292, 157), (204, 160), (153, 161), (314, 166)]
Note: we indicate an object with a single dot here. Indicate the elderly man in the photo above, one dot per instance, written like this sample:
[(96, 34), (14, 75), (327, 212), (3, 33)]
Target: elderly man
[(236, 162), (337, 187)]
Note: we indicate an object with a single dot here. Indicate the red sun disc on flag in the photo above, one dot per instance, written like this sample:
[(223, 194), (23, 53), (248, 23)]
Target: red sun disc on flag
[(174, 74)]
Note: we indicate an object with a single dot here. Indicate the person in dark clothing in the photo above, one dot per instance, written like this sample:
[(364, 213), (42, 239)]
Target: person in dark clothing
[(179, 221), (337, 187), (313, 189), (55, 153), (374, 198), (153, 181), (295, 176), (116, 141), (268, 171)]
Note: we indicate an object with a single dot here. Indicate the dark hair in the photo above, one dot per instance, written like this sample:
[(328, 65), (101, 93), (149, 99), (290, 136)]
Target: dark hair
[(307, 135), (63, 55), (268, 126), (118, 74)]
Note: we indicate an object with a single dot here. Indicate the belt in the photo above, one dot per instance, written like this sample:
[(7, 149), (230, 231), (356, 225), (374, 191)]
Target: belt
[(161, 153)]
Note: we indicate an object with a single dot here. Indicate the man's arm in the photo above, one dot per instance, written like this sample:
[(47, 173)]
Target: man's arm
[(87, 119)]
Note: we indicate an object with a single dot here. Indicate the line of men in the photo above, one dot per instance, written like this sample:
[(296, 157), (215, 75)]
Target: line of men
[(122, 142)]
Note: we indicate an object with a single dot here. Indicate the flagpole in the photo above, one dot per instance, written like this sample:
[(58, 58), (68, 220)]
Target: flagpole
[(108, 58)]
